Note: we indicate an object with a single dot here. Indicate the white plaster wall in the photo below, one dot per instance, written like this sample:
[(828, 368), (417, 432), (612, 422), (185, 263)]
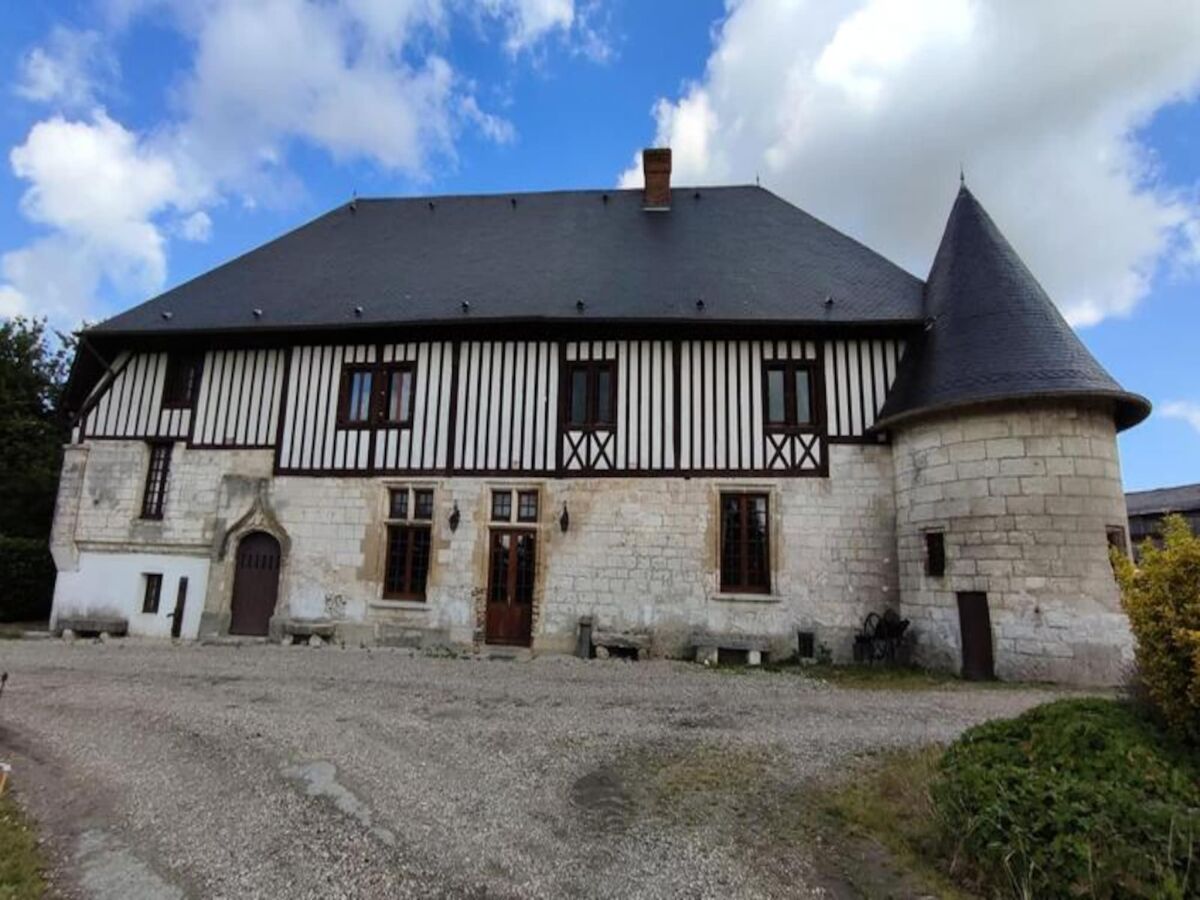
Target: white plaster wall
[(1024, 496), (112, 585)]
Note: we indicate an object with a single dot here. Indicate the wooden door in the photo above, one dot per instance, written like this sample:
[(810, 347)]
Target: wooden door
[(511, 566), (180, 605), (255, 584), (975, 629)]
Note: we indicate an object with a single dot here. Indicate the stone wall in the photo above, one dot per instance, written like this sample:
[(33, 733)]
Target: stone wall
[(1024, 496), (640, 553)]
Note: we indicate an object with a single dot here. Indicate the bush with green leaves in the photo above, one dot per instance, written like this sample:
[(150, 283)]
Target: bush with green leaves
[(26, 579), (1077, 798), (1161, 595)]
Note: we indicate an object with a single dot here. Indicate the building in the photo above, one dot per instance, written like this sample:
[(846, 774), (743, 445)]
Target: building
[(1147, 509), (677, 411)]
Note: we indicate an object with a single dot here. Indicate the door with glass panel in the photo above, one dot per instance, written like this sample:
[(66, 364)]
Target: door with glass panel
[(511, 567)]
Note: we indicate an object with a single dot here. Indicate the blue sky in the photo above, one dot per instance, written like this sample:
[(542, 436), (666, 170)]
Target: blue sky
[(145, 141)]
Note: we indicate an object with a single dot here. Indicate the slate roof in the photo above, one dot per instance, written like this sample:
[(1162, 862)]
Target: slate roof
[(749, 255), (992, 333), (1161, 501)]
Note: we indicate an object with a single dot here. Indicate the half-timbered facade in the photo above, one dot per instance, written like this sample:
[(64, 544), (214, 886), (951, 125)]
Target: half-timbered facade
[(480, 420)]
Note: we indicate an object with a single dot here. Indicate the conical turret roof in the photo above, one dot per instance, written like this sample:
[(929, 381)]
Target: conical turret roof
[(991, 333)]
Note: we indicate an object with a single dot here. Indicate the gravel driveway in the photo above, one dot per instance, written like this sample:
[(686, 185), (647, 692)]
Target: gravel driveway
[(194, 771)]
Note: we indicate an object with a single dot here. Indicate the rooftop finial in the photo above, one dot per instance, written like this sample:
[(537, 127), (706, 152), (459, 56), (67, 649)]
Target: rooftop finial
[(962, 177)]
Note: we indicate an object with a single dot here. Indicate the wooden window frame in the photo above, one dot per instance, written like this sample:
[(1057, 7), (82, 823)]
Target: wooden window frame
[(349, 370), (377, 406), (412, 523), (154, 491), (742, 585), (790, 424), (178, 393), (935, 554), (151, 592), (537, 503), (415, 512), (498, 494), (591, 395), (387, 370)]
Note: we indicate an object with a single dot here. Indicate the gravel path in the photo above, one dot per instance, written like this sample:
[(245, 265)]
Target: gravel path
[(236, 772)]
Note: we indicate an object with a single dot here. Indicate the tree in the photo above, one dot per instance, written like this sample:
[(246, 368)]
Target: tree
[(33, 375), (1162, 597)]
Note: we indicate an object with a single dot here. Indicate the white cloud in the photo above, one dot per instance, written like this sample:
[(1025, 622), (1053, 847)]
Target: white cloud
[(70, 70), (197, 227), (1183, 410), (528, 21), (358, 79), (98, 188), (861, 113)]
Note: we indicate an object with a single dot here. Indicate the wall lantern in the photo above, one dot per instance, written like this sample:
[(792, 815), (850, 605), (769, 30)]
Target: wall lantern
[(564, 521), (455, 517)]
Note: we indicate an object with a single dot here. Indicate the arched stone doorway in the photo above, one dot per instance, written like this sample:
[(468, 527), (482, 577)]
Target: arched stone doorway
[(255, 584)]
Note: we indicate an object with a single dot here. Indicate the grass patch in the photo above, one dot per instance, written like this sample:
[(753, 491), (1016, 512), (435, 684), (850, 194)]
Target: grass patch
[(890, 802), (21, 864), (883, 678)]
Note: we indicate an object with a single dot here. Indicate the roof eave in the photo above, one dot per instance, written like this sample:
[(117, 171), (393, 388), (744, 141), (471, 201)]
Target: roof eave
[(1128, 408)]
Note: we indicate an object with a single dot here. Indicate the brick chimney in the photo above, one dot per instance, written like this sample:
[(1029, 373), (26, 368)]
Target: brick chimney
[(656, 166)]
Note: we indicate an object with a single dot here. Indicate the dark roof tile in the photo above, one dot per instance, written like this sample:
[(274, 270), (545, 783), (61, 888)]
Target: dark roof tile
[(748, 254), (992, 333)]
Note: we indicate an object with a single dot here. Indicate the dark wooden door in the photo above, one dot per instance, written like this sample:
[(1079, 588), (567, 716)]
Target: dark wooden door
[(255, 584), (180, 605), (975, 629), (511, 566)]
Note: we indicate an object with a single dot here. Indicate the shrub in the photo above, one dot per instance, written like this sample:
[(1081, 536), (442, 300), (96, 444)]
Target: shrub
[(26, 579), (1162, 599), (1073, 798)]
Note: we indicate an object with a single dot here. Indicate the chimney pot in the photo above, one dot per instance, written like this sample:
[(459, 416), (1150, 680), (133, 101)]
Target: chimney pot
[(656, 166)]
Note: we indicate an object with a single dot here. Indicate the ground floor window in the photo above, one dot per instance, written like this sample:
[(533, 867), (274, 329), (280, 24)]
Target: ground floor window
[(745, 548), (409, 536), (151, 591)]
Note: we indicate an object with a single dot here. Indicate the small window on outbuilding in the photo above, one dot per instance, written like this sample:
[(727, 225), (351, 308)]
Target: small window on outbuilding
[(151, 591), (935, 554)]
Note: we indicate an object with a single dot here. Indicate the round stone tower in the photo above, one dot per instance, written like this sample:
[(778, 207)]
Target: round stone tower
[(1008, 484)]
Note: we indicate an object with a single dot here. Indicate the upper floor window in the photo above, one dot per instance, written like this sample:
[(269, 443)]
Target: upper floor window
[(155, 493), (398, 386), (182, 381), (382, 394), (745, 548), (789, 395), (592, 394), (354, 404)]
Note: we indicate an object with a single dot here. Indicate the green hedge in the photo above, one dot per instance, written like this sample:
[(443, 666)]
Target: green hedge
[(26, 579), (1077, 798)]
